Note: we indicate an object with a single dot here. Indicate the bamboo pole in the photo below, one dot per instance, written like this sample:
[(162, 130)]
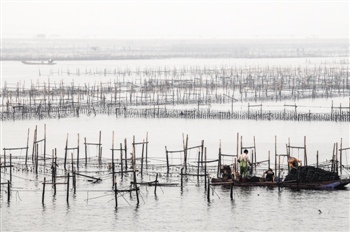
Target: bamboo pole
[(99, 149), (143, 146), (208, 190), (341, 156), (66, 153), (205, 167), (10, 168), (115, 192), (275, 154), (121, 159), (44, 145), (181, 174), (8, 190), (43, 195), (78, 152), (113, 166), (155, 185), (125, 153), (305, 154), (27, 149), (147, 150), (67, 198)]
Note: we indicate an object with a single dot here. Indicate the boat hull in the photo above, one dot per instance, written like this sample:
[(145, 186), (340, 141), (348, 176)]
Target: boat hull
[(38, 62), (323, 185)]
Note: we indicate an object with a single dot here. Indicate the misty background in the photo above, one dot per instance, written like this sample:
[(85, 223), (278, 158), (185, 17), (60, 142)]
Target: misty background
[(80, 30)]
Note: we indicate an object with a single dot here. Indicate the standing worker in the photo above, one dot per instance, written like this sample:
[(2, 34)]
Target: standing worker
[(244, 161)]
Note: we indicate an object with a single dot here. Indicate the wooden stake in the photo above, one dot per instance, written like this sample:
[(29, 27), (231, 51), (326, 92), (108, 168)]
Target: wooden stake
[(43, 196), (67, 199)]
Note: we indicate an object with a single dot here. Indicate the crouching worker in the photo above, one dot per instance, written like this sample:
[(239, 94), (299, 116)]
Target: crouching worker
[(243, 163), (269, 175), (293, 163), (226, 172)]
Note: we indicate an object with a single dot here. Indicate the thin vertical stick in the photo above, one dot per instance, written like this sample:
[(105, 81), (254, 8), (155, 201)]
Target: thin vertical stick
[(237, 150), (99, 149), (78, 152), (219, 161), (67, 199), (36, 159), (167, 160), (198, 161), (34, 145), (112, 158), (43, 196), (143, 146), (254, 155), (44, 146), (208, 193), (305, 154), (72, 162), (54, 173), (126, 157), (74, 181), (146, 150), (121, 159), (202, 152), (73, 175), (341, 154), (115, 192), (27, 148), (135, 185), (10, 167), (275, 154), (182, 170), (155, 185), (0, 176), (65, 153), (279, 165), (241, 144), (336, 157), (205, 166), (85, 151), (8, 190), (133, 151)]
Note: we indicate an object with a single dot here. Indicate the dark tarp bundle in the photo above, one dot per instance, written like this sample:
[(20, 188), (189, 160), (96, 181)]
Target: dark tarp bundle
[(307, 174)]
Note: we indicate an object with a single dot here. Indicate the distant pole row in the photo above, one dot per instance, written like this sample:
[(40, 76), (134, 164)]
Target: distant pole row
[(159, 89)]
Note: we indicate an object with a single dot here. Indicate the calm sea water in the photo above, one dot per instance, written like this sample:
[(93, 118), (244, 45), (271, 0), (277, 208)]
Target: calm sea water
[(93, 206)]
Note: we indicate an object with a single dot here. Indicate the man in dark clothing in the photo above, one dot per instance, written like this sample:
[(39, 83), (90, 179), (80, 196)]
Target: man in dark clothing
[(269, 175)]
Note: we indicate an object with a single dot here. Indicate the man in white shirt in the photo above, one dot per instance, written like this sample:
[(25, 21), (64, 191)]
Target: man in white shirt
[(243, 160)]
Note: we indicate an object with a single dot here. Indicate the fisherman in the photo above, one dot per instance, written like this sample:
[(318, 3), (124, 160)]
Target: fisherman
[(293, 162), (226, 172), (243, 159), (269, 175)]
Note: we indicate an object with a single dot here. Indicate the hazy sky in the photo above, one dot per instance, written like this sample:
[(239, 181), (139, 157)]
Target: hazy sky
[(175, 19)]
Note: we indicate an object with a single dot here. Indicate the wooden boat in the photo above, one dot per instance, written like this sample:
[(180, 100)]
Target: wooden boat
[(42, 62), (303, 177), (320, 185)]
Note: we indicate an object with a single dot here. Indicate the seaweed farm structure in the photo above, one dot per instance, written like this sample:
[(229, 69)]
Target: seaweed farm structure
[(188, 92), (128, 169)]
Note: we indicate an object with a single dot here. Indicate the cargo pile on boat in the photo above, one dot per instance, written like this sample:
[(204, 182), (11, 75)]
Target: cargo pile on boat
[(308, 174)]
